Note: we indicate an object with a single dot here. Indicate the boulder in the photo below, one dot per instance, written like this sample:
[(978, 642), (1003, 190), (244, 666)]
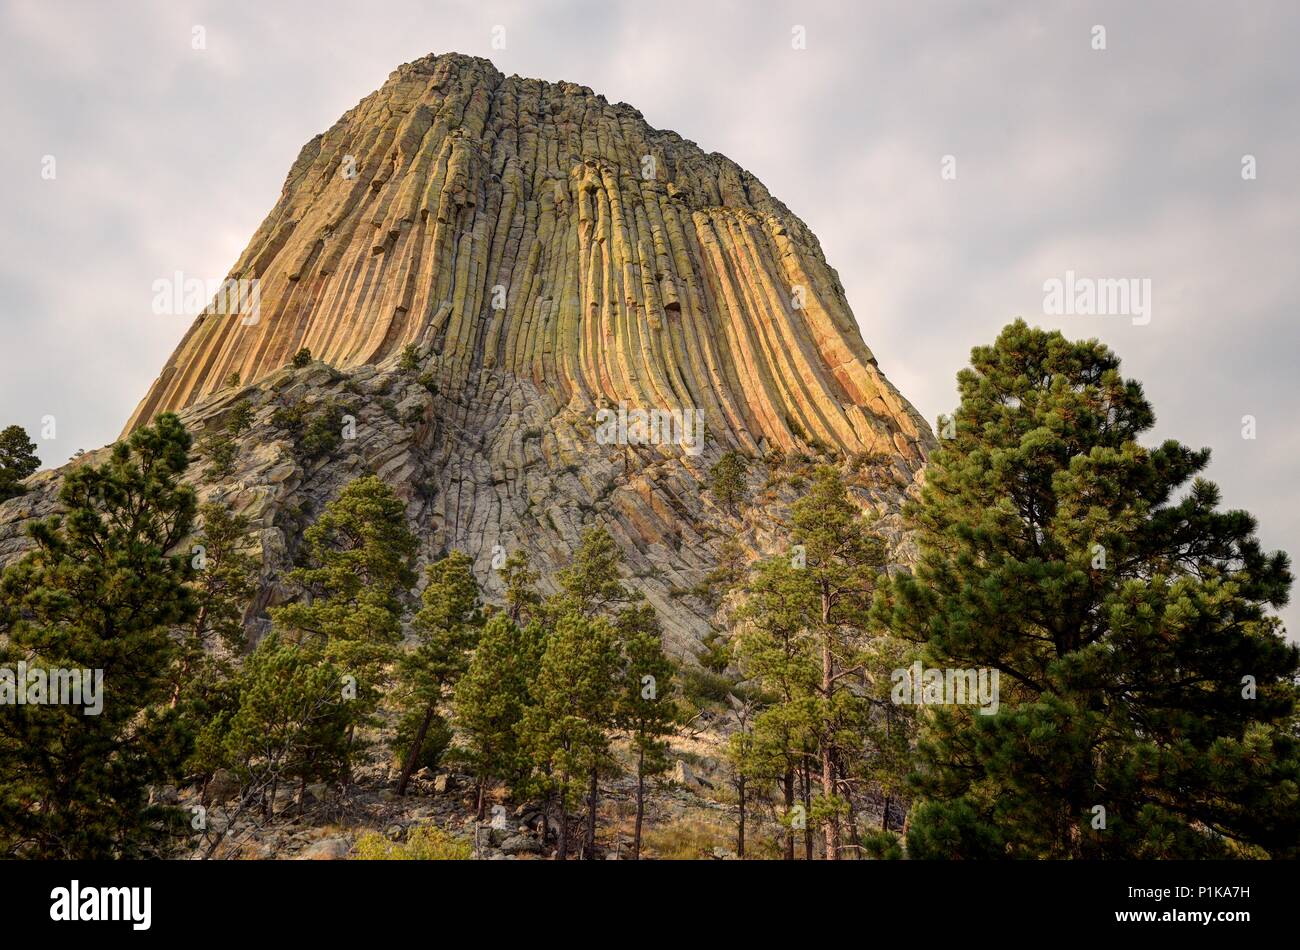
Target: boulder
[(223, 786), (317, 792), (326, 849), (683, 775), (521, 844)]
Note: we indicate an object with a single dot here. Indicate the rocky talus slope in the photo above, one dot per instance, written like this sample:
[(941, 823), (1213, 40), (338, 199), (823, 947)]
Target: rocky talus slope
[(549, 255)]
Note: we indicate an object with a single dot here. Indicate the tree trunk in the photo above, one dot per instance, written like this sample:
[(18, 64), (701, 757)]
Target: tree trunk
[(805, 783), (589, 841), (884, 815), (854, 838), (562, 850), (347, 764), (181, 677), (640, 805), (827, 761), (481, 812), (200, 622), (788, 786), (740, 827), (414, 753)]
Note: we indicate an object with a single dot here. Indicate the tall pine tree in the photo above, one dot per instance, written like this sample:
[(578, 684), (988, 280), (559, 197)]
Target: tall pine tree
[(448, 626), (99, 593), (222, 586), (1147, 698), (843, 557), (358, 569), (645, 710), (778, 651), (567, 726), (290, 724), (491, 699)]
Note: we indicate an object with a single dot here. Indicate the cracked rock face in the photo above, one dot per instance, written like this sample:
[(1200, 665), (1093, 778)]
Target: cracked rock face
[(552, 259)]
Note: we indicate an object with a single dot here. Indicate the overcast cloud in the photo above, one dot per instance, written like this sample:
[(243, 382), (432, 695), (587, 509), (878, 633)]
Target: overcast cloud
[(1117, 163)]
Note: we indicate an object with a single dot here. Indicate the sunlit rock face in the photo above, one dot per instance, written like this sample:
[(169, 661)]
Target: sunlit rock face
[(532, 231), (564, 273)]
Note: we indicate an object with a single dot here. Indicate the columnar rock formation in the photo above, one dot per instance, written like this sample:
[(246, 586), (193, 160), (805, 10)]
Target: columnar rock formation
[(535, 230), (479, 265)]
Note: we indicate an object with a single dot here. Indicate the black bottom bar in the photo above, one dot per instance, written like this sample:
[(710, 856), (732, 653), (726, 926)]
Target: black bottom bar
[(366, 899)]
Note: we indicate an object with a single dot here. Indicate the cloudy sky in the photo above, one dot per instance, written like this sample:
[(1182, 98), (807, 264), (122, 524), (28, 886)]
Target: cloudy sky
[(1122, 162)]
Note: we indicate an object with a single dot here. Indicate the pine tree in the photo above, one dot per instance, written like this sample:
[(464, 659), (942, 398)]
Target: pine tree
[(222, 586), (358, 568), (567, 727), (410, 359), (291, 723), (776, 649), (203, 671), (567, 682), (17, 460), (645, 711), (522, 600), (726, 574), (843, 558), (448, 627), (727, 480), (590, 587), (1146, 697), (746, 760), (240, 419), (490, 701), (889, 732), (99, 593), (590, 584), (221, 451)]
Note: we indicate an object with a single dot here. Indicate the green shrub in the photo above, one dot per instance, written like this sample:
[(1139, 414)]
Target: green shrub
[(717, 653), (323, 433), (290, 418), (423, 843), (702, 687), (240, 419), (220, 451), (727, 480)]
